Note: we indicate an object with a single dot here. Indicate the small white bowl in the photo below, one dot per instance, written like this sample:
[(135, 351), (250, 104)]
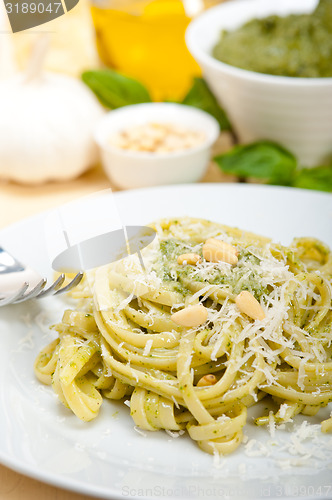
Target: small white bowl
[(133, 169), (295, 112)]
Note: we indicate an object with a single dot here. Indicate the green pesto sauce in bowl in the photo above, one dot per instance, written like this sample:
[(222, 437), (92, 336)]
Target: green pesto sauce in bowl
[(296, 45)]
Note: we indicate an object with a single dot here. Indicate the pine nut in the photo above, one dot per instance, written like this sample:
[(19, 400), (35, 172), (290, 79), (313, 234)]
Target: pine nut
[(223, 244), (157, 138), (189, 258), (209, 379), (190, 316), (250, 306), (216, 251)]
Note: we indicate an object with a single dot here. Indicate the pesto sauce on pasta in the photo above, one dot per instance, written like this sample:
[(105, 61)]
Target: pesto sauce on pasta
[(121, 341)]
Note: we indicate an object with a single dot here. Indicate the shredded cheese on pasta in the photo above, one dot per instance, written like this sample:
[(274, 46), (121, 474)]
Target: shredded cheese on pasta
[(121, 341)]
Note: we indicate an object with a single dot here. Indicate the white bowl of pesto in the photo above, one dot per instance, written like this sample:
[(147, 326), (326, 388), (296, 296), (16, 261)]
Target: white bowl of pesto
[(291, 110), (155, 144)]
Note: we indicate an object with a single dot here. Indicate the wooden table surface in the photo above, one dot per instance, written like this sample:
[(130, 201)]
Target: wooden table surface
[(17, 202)]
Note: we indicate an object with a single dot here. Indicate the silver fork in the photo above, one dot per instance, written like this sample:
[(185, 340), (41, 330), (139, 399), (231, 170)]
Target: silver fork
[(13, 274)]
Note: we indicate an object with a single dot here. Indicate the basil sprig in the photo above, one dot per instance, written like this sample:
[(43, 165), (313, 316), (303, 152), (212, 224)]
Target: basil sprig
[(262, 160), (115, 90), (200, 96), (274, 164), (319, 178)]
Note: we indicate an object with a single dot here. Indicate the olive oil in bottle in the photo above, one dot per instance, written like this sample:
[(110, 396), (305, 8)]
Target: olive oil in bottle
[(145, 39)]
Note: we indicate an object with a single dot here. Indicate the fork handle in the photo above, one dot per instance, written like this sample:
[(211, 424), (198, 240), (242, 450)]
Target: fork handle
[(13, 274), (8, 264)]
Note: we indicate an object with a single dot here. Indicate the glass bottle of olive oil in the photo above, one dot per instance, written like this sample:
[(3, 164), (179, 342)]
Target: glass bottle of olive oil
[(145, 40)]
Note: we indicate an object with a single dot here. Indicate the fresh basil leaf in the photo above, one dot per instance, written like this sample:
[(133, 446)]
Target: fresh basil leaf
[(115, 90), (319, 178), (262, 160), (200, 96)]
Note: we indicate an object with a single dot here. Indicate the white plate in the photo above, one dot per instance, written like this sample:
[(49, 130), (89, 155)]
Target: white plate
[(107, 457)]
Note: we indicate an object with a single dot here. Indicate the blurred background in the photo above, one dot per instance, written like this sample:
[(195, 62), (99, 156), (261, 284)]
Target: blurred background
[(107, 54), (142, 38)]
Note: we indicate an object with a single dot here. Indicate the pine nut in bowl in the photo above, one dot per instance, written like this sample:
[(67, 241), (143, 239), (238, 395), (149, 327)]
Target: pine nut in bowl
[(156, 143), (292, 108)]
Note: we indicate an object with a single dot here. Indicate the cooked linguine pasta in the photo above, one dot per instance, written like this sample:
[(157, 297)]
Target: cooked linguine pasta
[(194, 341)]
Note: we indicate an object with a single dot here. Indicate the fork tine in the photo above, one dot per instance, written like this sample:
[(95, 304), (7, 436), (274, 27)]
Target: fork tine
[(37, 291), (16, 295), (75, 281), (33, 293), (55, 286)]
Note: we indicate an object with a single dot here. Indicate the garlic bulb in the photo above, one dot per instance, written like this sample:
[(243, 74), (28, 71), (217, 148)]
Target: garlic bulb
[(46, 125)]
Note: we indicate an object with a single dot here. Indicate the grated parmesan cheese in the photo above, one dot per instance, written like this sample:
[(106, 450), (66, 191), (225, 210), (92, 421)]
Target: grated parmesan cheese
[(139, 431), (272, 424), (255, 448), (175, 402), (147, 347), (174, 434)]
